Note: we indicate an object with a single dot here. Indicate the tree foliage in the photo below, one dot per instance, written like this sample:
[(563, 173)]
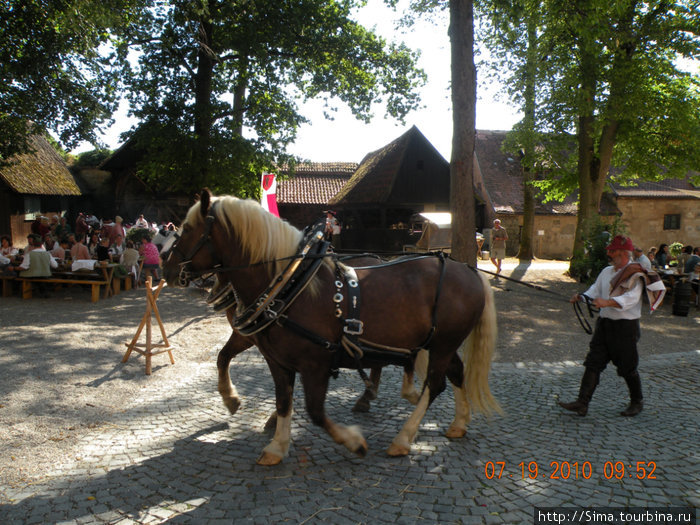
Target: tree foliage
[(54, 73), (219, 83), (610, 94)]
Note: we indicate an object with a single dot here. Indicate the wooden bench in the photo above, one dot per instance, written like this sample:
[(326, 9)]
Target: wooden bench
[(7, 281), (93, 282)]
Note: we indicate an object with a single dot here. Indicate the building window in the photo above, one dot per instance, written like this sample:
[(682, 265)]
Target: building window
[(672, 222)]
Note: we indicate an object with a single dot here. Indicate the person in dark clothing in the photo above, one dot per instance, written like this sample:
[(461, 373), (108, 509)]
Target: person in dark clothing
[(618, 293)]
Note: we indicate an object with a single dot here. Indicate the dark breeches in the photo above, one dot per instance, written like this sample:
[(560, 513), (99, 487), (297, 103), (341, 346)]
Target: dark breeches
[(614, 340)]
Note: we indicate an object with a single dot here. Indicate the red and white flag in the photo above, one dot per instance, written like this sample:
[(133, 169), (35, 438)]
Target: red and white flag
[(268, 198)]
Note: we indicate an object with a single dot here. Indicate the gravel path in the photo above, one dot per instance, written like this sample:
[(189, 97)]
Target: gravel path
[(61, 375)]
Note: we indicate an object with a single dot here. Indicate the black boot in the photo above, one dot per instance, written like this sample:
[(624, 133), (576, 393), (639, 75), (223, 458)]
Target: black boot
[(585, 393), (634, 383)]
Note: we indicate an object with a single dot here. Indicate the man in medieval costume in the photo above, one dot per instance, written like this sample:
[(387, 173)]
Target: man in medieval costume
[(618, 293)]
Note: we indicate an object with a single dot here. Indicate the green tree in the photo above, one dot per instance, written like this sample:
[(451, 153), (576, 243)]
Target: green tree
[(608, 90), (510, 30), (218, 84), (463, 90), (55, 69), (617, 86)]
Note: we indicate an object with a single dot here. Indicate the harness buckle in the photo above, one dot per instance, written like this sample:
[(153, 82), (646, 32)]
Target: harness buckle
[(353, 327)]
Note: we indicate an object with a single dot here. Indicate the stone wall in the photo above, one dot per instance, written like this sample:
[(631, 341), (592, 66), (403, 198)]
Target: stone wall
[(553, 236), (644, 219)]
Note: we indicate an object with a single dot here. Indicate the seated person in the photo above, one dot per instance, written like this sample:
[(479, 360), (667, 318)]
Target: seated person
[(151, 257), (6, 248), (692, 260), (695, 282), (79, 251), (130, 259), (102, 250), (37, 262), (118, 247), (663, 256), (49, 242), (59, 252), (92, 245)]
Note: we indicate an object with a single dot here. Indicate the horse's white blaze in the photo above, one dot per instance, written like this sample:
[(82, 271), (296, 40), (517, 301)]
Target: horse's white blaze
[(404, 438), (279, 446)]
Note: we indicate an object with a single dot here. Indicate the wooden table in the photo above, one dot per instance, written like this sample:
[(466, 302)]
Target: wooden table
[(101, 275)]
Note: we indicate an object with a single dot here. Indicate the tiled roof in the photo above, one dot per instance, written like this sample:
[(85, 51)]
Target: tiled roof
[(668, 188), (41, 172), (502, 177), (315, 182)]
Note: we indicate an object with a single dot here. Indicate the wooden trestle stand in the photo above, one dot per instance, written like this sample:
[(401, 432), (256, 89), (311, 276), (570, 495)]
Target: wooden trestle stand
[(147, 349)]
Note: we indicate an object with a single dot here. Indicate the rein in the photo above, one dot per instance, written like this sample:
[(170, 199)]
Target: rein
[(578, 310)]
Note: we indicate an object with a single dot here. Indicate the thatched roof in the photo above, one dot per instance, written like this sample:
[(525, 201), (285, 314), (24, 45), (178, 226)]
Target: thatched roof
[(41, 172), (375, 178)]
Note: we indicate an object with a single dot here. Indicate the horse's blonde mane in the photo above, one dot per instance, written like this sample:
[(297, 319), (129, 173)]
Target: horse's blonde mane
[(263, 237)]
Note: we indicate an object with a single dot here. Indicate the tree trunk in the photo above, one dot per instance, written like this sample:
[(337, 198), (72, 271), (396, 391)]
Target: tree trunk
[(587, 167), (595, 159), (462, 202), (528, 162), (203, 118), (239, 96)]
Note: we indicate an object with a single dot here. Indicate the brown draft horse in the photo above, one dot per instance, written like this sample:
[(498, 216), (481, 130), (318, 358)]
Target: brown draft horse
[(399, 305), (238, 343)]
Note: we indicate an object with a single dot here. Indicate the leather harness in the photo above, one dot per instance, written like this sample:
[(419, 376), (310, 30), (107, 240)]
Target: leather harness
[(275, 300)]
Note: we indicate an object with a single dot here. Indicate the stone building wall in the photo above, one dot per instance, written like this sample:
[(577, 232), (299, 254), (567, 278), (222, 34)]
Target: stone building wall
[(644, 219), (553, 236)]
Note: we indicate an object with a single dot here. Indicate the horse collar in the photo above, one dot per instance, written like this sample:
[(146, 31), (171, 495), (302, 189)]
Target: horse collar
[(286, 286)]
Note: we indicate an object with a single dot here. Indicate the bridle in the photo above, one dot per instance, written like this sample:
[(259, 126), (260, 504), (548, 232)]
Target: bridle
[(186, 275)]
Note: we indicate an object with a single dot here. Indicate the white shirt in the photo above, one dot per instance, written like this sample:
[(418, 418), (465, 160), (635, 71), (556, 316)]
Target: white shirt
[(630, 302), (644, 261), (25, 261)]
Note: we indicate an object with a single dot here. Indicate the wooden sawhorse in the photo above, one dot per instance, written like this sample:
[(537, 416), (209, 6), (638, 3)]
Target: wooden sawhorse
[(147, 349)]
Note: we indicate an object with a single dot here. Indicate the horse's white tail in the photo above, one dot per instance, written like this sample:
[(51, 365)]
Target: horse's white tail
[(477, 353)]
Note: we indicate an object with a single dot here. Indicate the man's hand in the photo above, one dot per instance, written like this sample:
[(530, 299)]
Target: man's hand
[(606, 303), (575, 298)]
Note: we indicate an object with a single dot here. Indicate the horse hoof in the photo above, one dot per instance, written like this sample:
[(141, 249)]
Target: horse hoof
[(268, 460), (456, 432), (233, 404), (361, 406), (361, 450), (396, 451)]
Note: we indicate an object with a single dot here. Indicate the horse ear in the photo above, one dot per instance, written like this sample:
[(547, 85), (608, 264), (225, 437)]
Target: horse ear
[(205, 202)]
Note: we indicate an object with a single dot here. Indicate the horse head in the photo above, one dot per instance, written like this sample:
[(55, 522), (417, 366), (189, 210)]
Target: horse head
[(193, 251)]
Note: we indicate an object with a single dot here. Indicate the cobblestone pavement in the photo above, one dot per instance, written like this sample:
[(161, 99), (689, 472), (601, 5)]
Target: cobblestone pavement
[(176, 455)]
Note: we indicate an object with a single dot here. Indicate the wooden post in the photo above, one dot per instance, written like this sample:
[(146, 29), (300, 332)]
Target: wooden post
[(147, 349)]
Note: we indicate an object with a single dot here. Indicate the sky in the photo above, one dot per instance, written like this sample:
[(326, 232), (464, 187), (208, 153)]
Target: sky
[(346, 139)]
